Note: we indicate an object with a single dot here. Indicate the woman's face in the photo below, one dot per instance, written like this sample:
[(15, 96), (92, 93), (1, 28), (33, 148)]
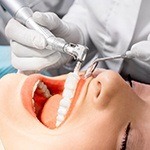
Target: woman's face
[(106, 114)]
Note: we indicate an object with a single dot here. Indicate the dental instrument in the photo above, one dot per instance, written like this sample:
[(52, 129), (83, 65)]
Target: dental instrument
[(22, 13), (133, 53)]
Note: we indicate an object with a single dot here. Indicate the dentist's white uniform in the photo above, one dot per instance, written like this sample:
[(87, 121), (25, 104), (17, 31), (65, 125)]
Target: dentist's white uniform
[(113, 26)]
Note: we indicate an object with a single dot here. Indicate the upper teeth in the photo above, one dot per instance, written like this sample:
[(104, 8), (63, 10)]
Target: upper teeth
[(68, 93)]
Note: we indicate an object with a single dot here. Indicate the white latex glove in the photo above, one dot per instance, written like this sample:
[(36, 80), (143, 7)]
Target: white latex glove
[(142, 50), (139, 67), (60, 28), (28, 46)]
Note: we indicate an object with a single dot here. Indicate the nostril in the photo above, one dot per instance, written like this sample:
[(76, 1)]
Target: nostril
[(98, 89), (96, 95)]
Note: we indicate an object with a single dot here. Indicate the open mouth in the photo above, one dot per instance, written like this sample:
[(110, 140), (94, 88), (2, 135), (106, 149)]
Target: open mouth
[(43, 97)]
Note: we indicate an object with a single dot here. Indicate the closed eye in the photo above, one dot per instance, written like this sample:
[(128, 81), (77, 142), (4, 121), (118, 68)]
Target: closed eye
[(125, 138)]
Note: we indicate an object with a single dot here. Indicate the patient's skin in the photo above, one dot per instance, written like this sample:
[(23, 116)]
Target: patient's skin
[(98, 121)]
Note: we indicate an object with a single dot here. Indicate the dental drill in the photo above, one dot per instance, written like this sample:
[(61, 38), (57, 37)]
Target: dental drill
[(133, 53), (22, 13)]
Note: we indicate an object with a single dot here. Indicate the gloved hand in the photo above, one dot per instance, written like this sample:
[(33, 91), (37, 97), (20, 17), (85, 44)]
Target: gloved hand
[(29, 47), (142, 50)]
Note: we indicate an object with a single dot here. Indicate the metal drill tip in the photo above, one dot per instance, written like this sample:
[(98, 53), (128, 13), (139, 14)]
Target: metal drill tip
[(90, 70), (77, 67), (87, 75)]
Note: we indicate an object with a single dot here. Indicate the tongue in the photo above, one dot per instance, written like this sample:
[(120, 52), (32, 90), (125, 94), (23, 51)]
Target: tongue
[(49, 112)]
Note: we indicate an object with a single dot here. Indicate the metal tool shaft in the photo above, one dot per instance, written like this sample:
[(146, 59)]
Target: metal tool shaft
[(109, 58), (77, 67), (95, 63)]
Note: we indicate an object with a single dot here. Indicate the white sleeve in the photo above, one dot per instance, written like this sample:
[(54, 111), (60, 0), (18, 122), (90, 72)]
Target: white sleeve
[(77, 14), (118, 29)]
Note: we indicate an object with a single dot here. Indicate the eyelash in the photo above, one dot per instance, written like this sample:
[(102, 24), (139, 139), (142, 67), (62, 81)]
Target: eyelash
[(125, 139)]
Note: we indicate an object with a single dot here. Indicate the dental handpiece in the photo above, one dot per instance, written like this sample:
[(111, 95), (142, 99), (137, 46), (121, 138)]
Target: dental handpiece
[(22, 13)]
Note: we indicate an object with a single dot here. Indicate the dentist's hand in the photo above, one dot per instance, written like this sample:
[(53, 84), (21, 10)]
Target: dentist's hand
[(28, 46), (142, 50)]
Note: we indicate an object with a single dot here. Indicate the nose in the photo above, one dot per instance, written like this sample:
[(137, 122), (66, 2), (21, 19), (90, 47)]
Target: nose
[(112, 85)]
